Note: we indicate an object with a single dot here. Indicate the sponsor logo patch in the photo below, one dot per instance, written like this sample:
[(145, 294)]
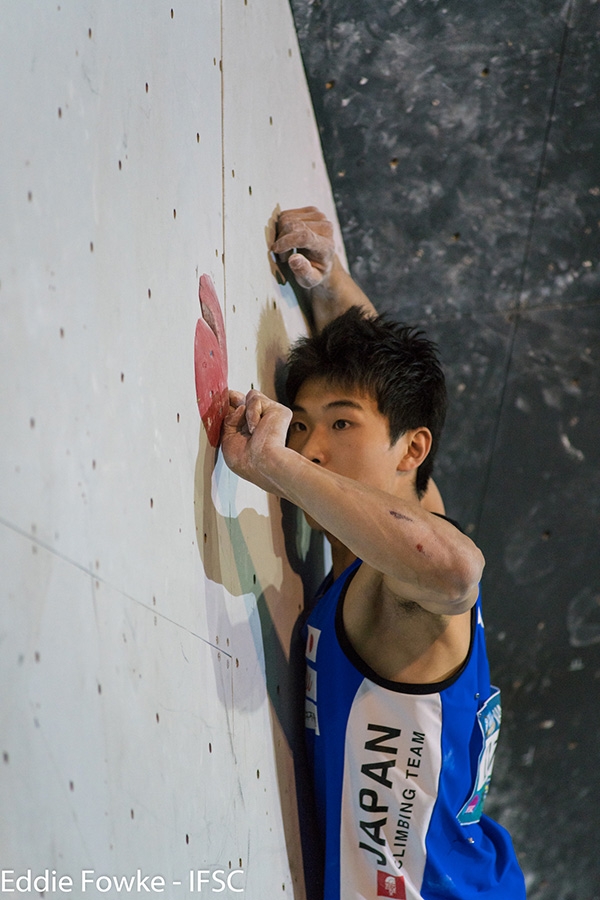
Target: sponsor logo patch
[(489, 718), (311, 643), (390, 886)]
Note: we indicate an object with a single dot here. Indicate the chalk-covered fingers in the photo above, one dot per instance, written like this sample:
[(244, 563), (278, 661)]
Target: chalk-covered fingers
[(303, 227), (236, 399), (305, 242), (272, 416), (254, 434)]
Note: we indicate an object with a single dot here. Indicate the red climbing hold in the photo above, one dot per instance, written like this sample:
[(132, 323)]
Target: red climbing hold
[(210, 360)]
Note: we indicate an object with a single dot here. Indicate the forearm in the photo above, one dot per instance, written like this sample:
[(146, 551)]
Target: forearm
[(434, 563), (337, 293)]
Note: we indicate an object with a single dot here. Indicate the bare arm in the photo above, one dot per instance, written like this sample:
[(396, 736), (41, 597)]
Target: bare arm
[(426, 558), (305, 242)]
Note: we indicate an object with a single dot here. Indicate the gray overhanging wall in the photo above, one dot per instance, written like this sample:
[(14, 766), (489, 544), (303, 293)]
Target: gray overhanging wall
[(463, 145)]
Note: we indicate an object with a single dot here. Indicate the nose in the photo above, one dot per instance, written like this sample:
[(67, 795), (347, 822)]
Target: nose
[(315, 447)]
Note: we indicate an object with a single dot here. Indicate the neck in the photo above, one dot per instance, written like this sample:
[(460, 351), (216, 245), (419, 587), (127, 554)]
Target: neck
[(341, 557)]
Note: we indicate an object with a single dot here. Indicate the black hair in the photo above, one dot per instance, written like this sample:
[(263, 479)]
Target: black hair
[(393, 363)]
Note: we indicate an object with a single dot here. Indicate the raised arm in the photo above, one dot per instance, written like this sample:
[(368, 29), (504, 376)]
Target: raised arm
[(432, 563), (305, 242)]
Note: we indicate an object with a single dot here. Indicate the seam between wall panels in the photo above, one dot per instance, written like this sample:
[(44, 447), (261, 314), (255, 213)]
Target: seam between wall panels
[(223, 165), (230, 713)]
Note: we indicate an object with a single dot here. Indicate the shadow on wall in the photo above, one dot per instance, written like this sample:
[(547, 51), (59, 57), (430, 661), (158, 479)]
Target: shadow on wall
[(274, 565)]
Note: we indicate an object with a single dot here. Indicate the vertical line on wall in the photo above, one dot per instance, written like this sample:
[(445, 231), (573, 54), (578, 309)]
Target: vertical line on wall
[(221, 67), (544, 153), (516, 315), (230, 712)]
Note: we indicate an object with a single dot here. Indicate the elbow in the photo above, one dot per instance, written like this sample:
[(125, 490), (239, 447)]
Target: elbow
[(474, 569), (462, 587)]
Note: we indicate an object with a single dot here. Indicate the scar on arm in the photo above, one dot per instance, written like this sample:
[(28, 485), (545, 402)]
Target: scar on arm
[(398, 515)]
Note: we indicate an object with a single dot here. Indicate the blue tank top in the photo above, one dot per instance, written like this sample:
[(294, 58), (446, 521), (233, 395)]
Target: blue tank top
[(401, 772)]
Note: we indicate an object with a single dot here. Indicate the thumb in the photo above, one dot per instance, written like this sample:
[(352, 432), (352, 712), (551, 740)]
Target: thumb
[(304, 272)]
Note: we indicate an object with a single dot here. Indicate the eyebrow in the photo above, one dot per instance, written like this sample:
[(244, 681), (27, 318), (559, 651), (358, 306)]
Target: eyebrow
[(335, 404)]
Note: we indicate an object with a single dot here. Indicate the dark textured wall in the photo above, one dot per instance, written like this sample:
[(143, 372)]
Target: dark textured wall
[(463, 145)]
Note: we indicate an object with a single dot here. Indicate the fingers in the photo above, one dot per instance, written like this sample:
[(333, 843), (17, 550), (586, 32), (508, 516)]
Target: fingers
[(257, 405), (246, 410), (307, 275), (306, 228), (254, 409), (236, 398), (303, 213), (234, 421), (302, 236), (288, 218)]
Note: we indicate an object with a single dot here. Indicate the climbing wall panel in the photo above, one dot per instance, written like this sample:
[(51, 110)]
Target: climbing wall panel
[(147, 598)]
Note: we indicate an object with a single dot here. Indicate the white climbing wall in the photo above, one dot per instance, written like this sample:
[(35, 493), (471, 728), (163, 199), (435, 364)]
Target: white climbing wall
[(143, 143)]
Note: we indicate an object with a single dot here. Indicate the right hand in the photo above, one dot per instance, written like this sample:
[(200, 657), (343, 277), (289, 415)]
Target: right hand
[(254, 437), (305, 242)]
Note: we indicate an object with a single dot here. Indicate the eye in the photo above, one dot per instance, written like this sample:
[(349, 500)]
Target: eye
[(341, 424), (297, 427)]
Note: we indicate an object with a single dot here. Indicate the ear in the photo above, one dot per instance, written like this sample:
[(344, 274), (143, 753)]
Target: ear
[(416, 444)]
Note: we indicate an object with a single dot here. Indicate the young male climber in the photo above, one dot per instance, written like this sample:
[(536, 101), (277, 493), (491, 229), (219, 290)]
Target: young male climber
[(401, 719)]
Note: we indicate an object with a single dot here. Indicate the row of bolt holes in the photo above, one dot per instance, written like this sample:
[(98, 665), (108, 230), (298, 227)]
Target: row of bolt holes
[(120, 164), (6, 759), (62, 330)]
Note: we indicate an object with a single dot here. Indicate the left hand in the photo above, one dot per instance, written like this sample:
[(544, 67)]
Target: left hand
[(305, 242), (254, 438)]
